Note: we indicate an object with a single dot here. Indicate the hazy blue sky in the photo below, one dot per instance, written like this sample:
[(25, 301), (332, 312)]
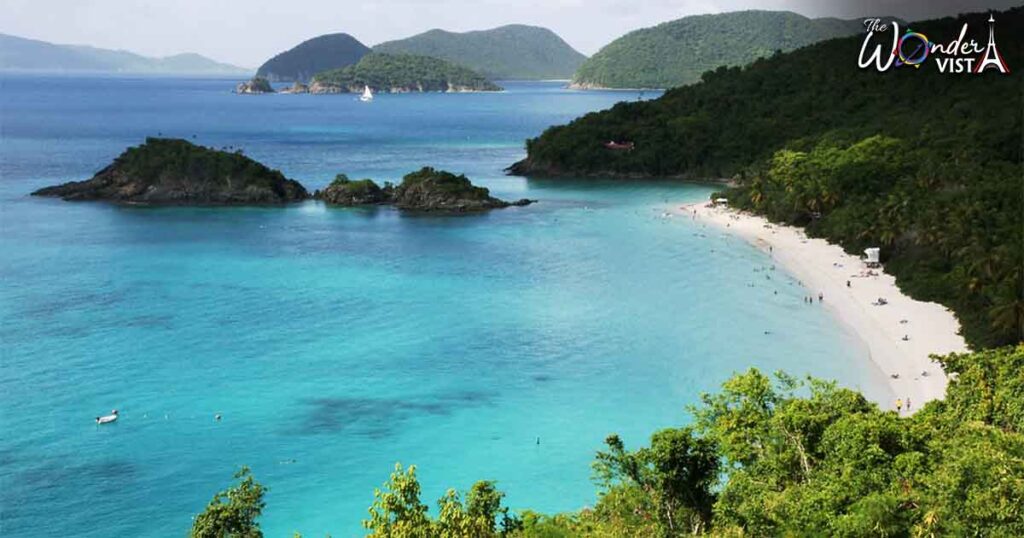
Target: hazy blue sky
[(247, 32)]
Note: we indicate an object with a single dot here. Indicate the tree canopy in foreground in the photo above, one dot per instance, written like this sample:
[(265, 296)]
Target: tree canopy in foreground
[(764, 456)]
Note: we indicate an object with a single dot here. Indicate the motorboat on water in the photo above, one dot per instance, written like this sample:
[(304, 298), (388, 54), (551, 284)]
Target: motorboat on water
[(107, 419), (367, 95)]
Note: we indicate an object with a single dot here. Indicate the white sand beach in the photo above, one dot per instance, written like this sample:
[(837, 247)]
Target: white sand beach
[(929, 328)]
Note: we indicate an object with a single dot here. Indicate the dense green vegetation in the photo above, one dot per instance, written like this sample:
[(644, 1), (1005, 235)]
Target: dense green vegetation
[(443, 181), (322, 53), (234, 511), (426, 189), (344, 191), (764, 457), (513, 52), (176, 171), (438, 190), (924, 164), (162, 159), (678, 52), (401, 73)]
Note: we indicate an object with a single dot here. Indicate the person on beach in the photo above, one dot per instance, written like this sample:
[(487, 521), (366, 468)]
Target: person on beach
[(899, 405), (847, 283), (821, 297), (908, 403)]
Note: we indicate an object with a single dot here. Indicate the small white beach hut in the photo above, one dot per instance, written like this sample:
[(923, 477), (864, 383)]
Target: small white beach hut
[(721, 201), (872, 256)]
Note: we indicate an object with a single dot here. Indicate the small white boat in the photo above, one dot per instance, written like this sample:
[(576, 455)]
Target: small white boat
[(107, 419), (367, 95)]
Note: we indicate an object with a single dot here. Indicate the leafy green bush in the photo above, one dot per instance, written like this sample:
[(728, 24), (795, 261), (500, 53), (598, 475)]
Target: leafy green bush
[(678, 52), (764, 457)]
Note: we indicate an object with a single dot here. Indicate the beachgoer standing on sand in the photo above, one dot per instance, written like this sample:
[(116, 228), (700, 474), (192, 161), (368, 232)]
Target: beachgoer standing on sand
[(908, 403), (847, 283), (821, 297), (899, 405)]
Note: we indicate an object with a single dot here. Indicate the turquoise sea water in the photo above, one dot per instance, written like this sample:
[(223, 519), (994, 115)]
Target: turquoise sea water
[(336, 342)]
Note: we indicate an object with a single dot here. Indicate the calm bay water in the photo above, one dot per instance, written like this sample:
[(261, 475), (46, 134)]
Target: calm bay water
[(336, 342)]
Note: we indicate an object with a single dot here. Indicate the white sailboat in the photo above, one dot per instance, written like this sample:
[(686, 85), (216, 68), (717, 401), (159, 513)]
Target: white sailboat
[(367, 95)]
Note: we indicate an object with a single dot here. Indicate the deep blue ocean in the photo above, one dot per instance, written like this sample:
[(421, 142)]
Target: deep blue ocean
[(336, 342)]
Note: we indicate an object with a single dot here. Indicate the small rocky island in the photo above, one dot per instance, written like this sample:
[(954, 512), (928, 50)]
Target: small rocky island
[(256, 86), (171, 171), (427, 190), (401, 73), (167, 171)]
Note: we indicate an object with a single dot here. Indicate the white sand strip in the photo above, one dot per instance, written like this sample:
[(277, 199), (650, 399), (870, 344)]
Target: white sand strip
[(929, 328)]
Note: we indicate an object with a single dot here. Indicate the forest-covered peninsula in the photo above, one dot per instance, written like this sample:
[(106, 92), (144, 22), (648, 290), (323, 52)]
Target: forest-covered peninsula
[(924, 164)]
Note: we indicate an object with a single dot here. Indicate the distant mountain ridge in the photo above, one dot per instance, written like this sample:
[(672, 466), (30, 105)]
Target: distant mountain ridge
[(23, 54), (677, 52), (514, 51), (322, 53)]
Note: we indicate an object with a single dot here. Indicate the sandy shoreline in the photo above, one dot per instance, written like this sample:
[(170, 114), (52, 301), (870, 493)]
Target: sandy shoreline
[(825, 268)]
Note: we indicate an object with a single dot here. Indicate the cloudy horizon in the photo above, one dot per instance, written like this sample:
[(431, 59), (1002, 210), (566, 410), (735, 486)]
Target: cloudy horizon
[(246, 33)]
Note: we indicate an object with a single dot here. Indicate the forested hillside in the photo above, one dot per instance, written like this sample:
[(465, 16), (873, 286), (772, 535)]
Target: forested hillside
[(401, 73), (301, 62), (509, 52), (678, 52), (924, 164)]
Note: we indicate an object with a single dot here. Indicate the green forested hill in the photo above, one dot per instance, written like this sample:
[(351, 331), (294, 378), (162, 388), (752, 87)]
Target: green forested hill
[(300, 63), (678, 52), (926, 165), (401, 73), (505, 53)]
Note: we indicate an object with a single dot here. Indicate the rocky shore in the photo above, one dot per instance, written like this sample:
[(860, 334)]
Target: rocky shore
[(255, 86), (297, 87)]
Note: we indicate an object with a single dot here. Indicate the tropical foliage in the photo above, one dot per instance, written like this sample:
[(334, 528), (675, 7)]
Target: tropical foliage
[(404, 72), (442, 181), (512, 52), (398, 512), (161, 159), (765, 456), (678, 52), (233, 513), (923, 164)]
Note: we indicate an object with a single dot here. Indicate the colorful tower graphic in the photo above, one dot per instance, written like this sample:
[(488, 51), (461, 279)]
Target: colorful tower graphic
[(991, 57)]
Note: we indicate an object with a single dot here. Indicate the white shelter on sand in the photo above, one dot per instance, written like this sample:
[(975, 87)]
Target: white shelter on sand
[(872, 255)]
